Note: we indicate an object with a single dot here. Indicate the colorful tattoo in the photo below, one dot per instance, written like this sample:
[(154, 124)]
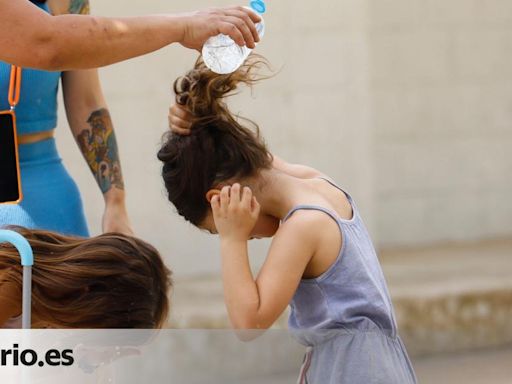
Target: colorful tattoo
[(99, 147), (79, 7)]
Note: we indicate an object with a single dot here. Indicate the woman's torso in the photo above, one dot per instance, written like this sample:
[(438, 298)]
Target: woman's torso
[(51, 199), (37, 109)]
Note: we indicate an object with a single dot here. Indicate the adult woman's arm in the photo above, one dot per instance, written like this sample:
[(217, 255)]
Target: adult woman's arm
[(30, 37), (92, 127)]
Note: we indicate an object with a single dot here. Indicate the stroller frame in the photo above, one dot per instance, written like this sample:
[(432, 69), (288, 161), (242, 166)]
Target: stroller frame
[(27, 261)]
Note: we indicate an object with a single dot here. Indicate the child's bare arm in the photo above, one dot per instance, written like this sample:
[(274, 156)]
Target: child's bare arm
[(257, 303)]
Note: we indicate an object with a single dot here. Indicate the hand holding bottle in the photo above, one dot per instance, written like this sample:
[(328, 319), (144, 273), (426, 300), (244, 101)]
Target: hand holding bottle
[(224, 55), (236, 22)]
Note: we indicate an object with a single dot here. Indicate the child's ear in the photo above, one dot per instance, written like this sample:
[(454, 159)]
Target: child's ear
[(211, 193)]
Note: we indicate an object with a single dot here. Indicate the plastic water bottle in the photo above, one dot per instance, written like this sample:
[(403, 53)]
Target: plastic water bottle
[(222, 55)]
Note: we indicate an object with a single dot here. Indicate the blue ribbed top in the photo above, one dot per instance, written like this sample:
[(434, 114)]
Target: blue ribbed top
[(37, 110)]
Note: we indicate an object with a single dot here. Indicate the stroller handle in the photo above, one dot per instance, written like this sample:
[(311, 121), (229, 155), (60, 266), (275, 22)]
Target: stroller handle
[(21, 244), (27, 261)]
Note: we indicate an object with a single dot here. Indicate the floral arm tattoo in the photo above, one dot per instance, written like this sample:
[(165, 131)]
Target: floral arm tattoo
[(79, 7), (99, 147)]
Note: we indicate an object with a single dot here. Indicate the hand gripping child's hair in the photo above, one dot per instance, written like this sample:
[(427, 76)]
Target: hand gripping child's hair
[(109, 281), (221, 177)]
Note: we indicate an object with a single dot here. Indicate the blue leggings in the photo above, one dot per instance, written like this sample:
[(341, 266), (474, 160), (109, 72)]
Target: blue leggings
[(51, 199)]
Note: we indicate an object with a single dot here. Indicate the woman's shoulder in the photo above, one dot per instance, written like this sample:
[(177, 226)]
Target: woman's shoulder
[(68, 7)]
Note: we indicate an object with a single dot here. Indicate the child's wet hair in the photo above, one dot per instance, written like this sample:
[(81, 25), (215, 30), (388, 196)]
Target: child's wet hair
[(219, 147)]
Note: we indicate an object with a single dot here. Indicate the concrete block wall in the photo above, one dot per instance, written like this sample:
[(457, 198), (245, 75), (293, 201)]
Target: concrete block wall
[(315, 111), (440, 74), (406, 103)]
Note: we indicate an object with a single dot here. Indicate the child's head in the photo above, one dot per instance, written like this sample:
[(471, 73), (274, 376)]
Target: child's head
[(219, 151), (109, 281)]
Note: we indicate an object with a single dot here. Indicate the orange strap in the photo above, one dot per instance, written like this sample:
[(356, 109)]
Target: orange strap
[(14, 86)]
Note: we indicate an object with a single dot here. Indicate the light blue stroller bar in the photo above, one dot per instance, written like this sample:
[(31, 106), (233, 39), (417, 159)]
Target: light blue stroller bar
[(27, 261)]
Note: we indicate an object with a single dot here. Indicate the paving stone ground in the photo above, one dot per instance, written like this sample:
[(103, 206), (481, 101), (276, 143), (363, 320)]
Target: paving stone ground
[(477, 367)]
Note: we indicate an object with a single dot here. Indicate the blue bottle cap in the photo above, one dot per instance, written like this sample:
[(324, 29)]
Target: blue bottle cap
[(258, 6)]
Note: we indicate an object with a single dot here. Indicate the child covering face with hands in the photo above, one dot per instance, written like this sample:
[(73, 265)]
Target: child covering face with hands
[(220, 176), (235, 212)]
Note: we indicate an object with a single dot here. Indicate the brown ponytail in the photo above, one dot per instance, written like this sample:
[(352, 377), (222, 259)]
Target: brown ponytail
[(219, 148)]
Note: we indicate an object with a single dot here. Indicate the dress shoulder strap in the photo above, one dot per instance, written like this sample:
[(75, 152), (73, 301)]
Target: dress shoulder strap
[(332, 214), (335, 185), (327, 211)]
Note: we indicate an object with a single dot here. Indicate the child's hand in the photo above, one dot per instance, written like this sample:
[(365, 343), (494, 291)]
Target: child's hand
[(235, 212), (180, 120)]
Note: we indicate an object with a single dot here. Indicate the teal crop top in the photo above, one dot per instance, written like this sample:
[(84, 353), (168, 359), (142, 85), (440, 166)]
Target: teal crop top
[(37, 110)]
